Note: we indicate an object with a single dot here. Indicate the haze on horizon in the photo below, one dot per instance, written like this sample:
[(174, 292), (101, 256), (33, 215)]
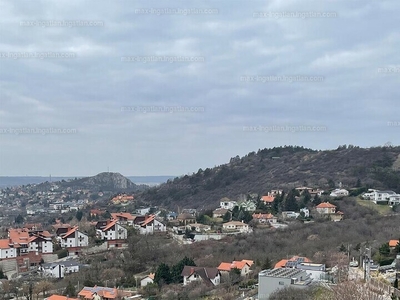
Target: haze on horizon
[(153, 88)]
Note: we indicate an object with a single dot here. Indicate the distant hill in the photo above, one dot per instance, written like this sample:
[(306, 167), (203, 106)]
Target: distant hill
[(106, 181), (9, 181), (281, 167)]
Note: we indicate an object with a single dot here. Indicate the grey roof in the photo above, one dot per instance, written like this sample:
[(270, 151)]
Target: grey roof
[(281, 272), (387, 192), (67, 263), (205, 273)]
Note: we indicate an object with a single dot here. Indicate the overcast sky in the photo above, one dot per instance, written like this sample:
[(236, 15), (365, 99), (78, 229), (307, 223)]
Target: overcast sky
[(154, 88)]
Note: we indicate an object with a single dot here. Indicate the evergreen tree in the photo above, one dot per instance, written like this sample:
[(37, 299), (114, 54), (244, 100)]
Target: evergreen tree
[(267, 264), (227, 216), (291, 202), (306, 197), (177, 269), (19, 219), (317, 200), (342, 248), (79, 215), (163, 275), (70, 290), (384, 249)]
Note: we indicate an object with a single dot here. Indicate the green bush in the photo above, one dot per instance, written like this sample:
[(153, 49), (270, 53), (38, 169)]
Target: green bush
[(62, 253)]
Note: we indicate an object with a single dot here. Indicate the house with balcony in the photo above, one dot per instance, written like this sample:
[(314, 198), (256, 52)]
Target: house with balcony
[(378, 196), (113, 232), (73, 240), (152, 225)]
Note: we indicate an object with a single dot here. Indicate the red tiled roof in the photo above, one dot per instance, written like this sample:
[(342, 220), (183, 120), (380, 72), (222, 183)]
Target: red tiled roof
[(326, 205), (282, 263), (4, 244), (122, 215), (148, 220), (224, 266), (268, 199), (111, 224), (69, 232), (393, 243), (263, 216), (58, 297), (18, 236)]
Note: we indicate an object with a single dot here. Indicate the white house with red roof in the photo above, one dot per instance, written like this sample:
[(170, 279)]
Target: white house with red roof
[(124, 218), (6, 250), (112, 231), (264, 218), (326, 208), (243, 266), (41, 243), (73, 240), (151, 225)]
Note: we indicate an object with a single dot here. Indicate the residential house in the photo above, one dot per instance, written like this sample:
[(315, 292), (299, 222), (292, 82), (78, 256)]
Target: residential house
[(268, 199), (122, 199), (290, 214), (73, 240), (236, 226), (59, 297), (316, 271), (394, 243), (305, 211), (273, 279), (243, 266), (96, 212), (186, 218), (199, 227), (59, 269), (149, 279), (210, 276), (105, 293), (394, 200), (123, 218), (227, 204), (171, 215), (19, 238), (339, 193), (275, 193), (7, 249), (381, 196), (143, 211), (248, 205), (311, 191), (41, 242), (152, 225), (220, 212), (113, 232), (326, 208), (265, 218)]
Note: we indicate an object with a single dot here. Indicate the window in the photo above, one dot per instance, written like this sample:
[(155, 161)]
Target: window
[(281, 283)]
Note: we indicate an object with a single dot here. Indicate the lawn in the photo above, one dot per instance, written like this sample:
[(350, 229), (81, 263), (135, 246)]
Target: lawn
[(382, 209)]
